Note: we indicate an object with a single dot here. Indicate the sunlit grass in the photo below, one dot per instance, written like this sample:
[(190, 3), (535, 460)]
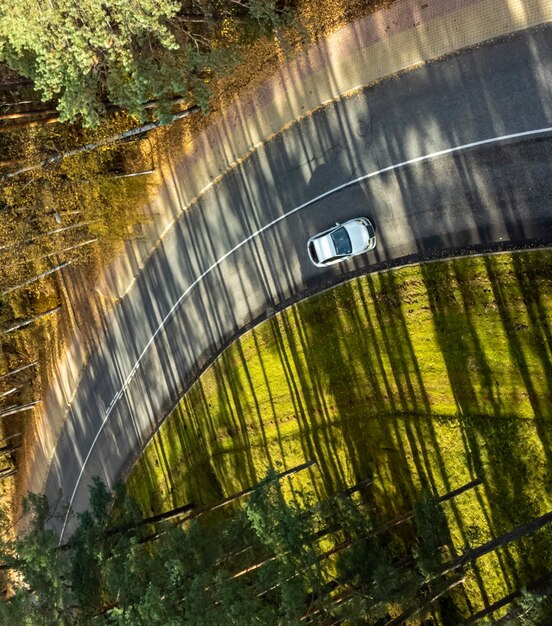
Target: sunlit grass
[(422, 378)]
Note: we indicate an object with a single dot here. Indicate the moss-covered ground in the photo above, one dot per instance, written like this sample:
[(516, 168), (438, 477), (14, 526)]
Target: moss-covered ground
[(425, 377)]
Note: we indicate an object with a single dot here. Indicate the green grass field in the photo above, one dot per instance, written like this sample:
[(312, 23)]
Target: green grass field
[(421, 378)]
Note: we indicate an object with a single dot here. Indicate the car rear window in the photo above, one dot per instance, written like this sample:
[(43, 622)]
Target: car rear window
[(342, 242)]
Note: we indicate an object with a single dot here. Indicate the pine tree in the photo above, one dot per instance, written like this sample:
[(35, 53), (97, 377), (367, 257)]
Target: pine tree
[(86, 55)]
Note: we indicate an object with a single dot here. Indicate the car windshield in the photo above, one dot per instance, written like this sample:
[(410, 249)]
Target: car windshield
[(341, 241)]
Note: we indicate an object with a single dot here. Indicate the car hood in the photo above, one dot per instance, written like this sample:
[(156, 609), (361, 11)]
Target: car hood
[(359, 236), (324, 247)]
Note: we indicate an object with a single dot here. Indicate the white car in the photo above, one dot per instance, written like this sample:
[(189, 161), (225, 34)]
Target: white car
[(342, 242)]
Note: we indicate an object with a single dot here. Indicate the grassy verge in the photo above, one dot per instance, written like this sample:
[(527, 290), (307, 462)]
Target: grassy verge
[(422, 378)]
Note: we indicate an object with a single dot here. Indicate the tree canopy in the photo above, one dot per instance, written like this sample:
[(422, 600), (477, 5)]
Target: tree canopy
[(88, 55), (273, 562)]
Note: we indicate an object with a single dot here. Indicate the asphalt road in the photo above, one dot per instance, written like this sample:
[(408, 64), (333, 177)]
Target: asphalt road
[(213, 276)]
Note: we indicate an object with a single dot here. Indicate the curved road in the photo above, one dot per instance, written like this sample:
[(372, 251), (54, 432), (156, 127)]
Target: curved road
[(239, 253)]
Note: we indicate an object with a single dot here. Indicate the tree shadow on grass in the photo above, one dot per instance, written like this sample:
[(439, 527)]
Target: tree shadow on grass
[(311, 412), (492, 412), (362, 397), (534, 280)]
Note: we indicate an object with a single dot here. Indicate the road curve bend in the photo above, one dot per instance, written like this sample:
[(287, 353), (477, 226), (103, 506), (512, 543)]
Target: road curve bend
[(453, 156)]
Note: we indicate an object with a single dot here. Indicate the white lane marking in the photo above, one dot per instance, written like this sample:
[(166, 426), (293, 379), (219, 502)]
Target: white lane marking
[(349, 183)]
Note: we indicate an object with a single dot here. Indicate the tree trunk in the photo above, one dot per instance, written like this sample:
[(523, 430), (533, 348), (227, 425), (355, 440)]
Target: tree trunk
[(476, 553), (318, 535), (9, 449), (334, 601), (181, 510), (8, 392), (59, 252), (34, 279), (30, 320), (28, 119), (396, 521), (17, 370), (154, 519), (498, 542), (4, 439), (228, 500), (8, 162), (248, 491), (425, 605), (6, 105), (42, 121), (542, 585), (22, 115), (16, 85), (12, 410), (195, 18), (54, 231), (9, 471), (252, 568), (140, 130), (410, 514), (142, 173)]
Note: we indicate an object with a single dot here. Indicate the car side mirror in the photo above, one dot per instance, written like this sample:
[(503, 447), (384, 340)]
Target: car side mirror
[(337, 224)]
